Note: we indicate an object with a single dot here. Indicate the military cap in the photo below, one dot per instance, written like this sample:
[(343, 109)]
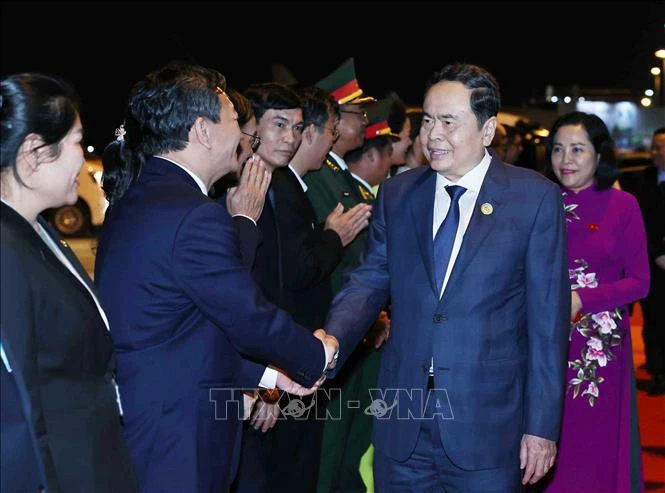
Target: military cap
[(342, 84), (377, 119)]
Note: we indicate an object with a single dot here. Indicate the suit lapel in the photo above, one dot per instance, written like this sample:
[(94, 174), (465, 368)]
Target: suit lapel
[(422, 210), (63, 246), (303, 202), (33, 241), (491, 193)]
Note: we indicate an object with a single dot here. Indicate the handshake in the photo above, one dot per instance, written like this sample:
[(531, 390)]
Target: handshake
[(264, 414), (331, 348)]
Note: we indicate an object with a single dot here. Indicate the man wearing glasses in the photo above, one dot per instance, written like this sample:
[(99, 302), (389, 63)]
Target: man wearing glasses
[(328, 187), (333, 184)]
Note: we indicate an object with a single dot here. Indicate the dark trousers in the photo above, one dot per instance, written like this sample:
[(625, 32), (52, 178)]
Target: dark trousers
[(285, 459), (429, 470), (251, 476), (294, 446)]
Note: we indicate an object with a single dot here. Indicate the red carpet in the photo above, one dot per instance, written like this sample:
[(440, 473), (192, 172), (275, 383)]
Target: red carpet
[(651, 415)]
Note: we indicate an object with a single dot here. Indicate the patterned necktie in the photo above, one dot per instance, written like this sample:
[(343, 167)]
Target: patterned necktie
[(445, 236)]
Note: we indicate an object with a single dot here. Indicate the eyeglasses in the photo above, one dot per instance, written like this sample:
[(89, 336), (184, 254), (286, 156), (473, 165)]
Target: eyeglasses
[(362, 113), (254, 140)]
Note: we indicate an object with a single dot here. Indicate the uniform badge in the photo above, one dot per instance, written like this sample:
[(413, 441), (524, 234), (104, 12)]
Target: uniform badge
[(365, 194), (332, 165), (486, 208)]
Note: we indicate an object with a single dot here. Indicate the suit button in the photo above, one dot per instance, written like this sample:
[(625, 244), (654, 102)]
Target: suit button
[(437, 319)]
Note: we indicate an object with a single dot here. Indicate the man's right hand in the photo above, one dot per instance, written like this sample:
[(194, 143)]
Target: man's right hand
[(330, 346), (248, 198), (348, 224)]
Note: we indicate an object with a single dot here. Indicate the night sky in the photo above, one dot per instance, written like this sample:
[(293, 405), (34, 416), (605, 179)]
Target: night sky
[(103, 48)]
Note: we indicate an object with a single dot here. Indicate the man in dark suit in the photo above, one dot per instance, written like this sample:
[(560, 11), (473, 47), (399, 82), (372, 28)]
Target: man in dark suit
[(291, 267), (183, 310), (651, 197), (472, 377), (311, 251), (279, 127)]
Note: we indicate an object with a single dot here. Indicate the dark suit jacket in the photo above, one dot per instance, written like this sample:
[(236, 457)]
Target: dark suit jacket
[(499, 334), (309, 253), (250, 238), (651, 198), (22, 468), (267, 268), (182, 310), (65, 354)]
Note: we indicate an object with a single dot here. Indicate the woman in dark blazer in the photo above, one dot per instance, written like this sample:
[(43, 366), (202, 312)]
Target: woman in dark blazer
[(51, 317)]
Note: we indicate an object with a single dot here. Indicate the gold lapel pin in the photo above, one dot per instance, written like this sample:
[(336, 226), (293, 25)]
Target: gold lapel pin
[(486, 208), (64, 244)]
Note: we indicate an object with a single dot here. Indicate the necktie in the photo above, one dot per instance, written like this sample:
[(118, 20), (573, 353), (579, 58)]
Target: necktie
[(271, 198), (445, 236)]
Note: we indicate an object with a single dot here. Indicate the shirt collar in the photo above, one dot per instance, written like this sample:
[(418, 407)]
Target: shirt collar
[(363, 182), (340, 162), (472, 180), (300, 180), (198, 180)]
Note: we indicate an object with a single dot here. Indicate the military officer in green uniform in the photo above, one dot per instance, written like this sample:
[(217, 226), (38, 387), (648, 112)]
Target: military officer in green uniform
[(334, 184), (346, 439)]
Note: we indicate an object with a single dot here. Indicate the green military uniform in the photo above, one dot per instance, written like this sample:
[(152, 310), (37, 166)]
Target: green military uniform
[(347, 436), (325, 189), (346, 439)]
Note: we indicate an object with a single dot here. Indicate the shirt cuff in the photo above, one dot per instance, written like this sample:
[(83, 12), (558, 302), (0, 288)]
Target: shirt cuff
[(269, 378), (335, 357), (242, 215)]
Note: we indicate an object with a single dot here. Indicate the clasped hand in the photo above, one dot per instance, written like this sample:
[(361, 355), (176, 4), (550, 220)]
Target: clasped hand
[(249, 196), (331, 348)]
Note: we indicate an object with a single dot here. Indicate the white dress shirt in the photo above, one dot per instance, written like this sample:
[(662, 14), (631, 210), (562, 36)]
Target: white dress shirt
[(303, 185), (472, 181), (364, 183), (338, 159), (198, 180)]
